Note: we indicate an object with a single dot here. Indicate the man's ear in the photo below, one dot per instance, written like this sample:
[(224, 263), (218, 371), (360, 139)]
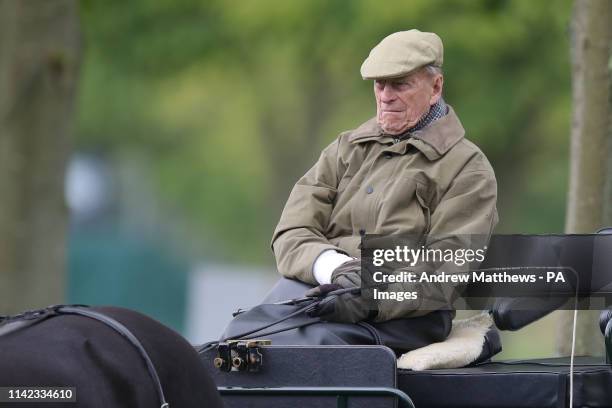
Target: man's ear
[(438, 83)]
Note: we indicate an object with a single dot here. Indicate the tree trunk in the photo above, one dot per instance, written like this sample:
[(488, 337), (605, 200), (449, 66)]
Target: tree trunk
[(39, 61), (590, 189)]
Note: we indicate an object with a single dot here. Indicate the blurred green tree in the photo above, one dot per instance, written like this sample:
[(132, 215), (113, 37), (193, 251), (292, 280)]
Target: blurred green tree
[(39, 64), (590, 193), (233, 101)]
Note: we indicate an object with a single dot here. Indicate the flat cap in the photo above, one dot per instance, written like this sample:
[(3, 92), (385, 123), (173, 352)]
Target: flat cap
[(401, 53)]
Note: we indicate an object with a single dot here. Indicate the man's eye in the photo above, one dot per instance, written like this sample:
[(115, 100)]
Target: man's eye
[(401, 85)]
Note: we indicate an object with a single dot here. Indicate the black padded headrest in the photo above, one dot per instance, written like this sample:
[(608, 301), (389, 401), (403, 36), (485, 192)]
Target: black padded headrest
[(515, 313), (588, 255)]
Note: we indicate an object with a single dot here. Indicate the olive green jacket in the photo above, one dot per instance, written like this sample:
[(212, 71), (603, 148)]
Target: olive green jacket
[(435, 182)]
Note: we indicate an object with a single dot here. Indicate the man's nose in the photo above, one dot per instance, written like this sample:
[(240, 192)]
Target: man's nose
[(387, 94)]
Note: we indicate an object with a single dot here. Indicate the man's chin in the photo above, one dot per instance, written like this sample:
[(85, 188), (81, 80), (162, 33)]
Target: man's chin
[(394, 128), (392, 124)]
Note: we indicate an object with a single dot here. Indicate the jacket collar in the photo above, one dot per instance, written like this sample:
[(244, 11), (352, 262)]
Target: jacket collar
[(433, 141)]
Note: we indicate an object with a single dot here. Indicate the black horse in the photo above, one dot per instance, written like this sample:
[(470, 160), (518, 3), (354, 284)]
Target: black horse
[(122, 359)]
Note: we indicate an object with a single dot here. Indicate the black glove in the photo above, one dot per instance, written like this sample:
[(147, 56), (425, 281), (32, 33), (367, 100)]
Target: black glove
[(349, 307), (348, 275)]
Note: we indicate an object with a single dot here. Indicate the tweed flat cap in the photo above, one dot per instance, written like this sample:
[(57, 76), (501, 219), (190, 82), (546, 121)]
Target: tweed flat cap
[(400, 53)]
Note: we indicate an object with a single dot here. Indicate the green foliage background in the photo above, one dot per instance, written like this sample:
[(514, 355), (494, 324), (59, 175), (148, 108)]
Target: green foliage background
[(231, 101)]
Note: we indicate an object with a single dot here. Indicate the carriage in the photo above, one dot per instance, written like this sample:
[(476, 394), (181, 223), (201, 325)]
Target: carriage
[(458, 371), (368, 376)]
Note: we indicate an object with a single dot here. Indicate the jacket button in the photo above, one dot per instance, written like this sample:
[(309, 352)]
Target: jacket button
[(362, 231), (370, 190)]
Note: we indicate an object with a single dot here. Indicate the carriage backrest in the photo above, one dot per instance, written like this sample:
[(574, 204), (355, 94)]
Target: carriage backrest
[(589, 255)]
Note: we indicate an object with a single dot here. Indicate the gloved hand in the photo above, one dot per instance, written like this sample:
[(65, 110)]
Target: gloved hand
[(349, 307), (348, 274)]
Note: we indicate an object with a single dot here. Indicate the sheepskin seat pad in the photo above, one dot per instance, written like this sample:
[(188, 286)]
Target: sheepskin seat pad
[(463, 346)]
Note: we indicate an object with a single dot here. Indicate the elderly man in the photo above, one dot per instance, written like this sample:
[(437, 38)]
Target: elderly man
[(409, 170)]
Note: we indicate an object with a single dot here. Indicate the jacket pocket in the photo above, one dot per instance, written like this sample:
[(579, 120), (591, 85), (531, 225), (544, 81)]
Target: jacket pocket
[(423, 195)]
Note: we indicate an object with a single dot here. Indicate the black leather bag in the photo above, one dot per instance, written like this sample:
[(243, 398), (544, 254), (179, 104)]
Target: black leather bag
[(400, 335)]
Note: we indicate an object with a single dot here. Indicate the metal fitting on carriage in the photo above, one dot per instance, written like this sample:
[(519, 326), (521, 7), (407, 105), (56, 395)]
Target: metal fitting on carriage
[(240, 355), (239, 364), (224, 357)]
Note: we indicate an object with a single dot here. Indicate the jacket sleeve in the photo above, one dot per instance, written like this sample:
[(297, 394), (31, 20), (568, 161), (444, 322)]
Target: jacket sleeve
[(299, 236), (464, 218)]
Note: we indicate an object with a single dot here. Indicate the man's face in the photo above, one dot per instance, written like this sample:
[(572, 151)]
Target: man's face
[(401, 102)]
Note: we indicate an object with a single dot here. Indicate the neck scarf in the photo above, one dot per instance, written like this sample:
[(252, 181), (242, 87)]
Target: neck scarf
[(436, 111)]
